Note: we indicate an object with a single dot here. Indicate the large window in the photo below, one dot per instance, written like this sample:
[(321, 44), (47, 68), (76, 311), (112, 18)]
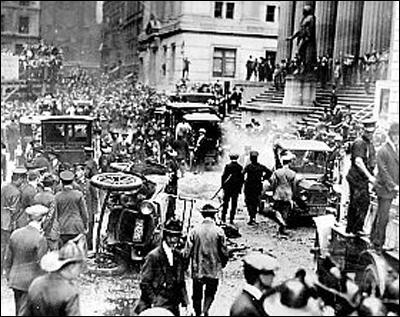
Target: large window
[(224, 62), (224, 9), (218, 9), (270, 14), (23, 25), (230, 10)]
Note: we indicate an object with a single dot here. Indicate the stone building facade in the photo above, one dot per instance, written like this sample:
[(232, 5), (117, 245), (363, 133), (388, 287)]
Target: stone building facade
[(217, 37), (74, 26), (20, 24), (343, 27)]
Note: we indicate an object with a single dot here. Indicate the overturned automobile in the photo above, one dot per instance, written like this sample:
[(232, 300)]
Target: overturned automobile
[(135, 206)]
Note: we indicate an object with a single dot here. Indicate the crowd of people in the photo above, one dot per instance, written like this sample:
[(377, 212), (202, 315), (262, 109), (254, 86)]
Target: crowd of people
[(52, 211)]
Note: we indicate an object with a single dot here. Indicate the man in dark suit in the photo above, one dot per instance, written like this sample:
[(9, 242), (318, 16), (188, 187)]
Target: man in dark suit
[(27, 246), (163, 273), (386, 185), (46, 197), (200, 150), (71, 209), (232, 182), (259, 272), (254, 174)]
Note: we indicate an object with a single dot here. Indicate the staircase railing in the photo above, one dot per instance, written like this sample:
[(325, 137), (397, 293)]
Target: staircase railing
[(361, 115)]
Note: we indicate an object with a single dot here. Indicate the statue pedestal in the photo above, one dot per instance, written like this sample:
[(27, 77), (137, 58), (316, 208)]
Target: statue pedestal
[(300, 91)]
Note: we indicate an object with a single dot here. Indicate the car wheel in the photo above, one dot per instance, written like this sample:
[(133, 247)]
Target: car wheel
[(116, 181)]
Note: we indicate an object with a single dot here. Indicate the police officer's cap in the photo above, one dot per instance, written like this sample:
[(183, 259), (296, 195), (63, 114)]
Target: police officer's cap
[(261, 262), (253, 153), (67, 176)]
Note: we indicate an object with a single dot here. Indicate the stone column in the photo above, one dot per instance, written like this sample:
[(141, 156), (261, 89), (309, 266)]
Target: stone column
[(285, 30), (325, 13), (376, 26), (298, 15), (348, 28)]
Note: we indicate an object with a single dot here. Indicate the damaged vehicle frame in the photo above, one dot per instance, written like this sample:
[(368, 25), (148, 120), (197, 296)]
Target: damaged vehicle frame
[(314, 193)]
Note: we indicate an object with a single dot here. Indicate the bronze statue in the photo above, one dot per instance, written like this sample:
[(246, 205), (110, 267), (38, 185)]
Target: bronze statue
[(306, 41)]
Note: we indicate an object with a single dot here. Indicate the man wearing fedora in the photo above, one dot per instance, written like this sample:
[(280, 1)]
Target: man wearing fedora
[(386, 185), (206, 248), (259, 272), (71, 209), (10, 208), (360, 174), (232, 182), (163, 273), (283, 182), (54, 293), (26, 248), (200, 150), (254, 174)]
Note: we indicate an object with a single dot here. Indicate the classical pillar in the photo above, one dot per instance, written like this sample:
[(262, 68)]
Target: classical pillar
[(376, 26), (325, 13), (348, 28), (285, 30), (298, 16)]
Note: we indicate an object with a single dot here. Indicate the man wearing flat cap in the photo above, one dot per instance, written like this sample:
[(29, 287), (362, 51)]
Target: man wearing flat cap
[(26, 248), (71, 209), (259, 272), (232, 182), (206, 248), (386, 185), (254, 174), (10, 208), (362, 154)]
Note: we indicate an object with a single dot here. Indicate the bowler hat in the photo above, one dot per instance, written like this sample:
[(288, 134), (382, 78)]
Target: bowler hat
[(209, 209), (67, 176), (173, 227), (233, 156), (293, 299), (37, 210), (261, 262)]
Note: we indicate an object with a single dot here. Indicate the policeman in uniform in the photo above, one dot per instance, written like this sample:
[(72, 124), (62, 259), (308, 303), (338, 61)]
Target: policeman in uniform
[(360, 175), (10, 208), (254, 174), (71, 209)]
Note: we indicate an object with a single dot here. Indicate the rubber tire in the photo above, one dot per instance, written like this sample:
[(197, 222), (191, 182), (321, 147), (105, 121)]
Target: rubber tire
[(370, 274), (98, 181)]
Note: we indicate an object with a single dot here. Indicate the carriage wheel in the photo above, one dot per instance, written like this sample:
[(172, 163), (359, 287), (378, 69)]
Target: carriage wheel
[(370, 280), (116, 181)]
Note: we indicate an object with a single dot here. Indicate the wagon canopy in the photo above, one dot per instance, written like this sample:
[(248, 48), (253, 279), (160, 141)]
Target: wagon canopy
[(303, 145), (207, 117)]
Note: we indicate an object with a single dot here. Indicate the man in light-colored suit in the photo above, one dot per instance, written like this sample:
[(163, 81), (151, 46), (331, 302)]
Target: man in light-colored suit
[(386, 185)]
